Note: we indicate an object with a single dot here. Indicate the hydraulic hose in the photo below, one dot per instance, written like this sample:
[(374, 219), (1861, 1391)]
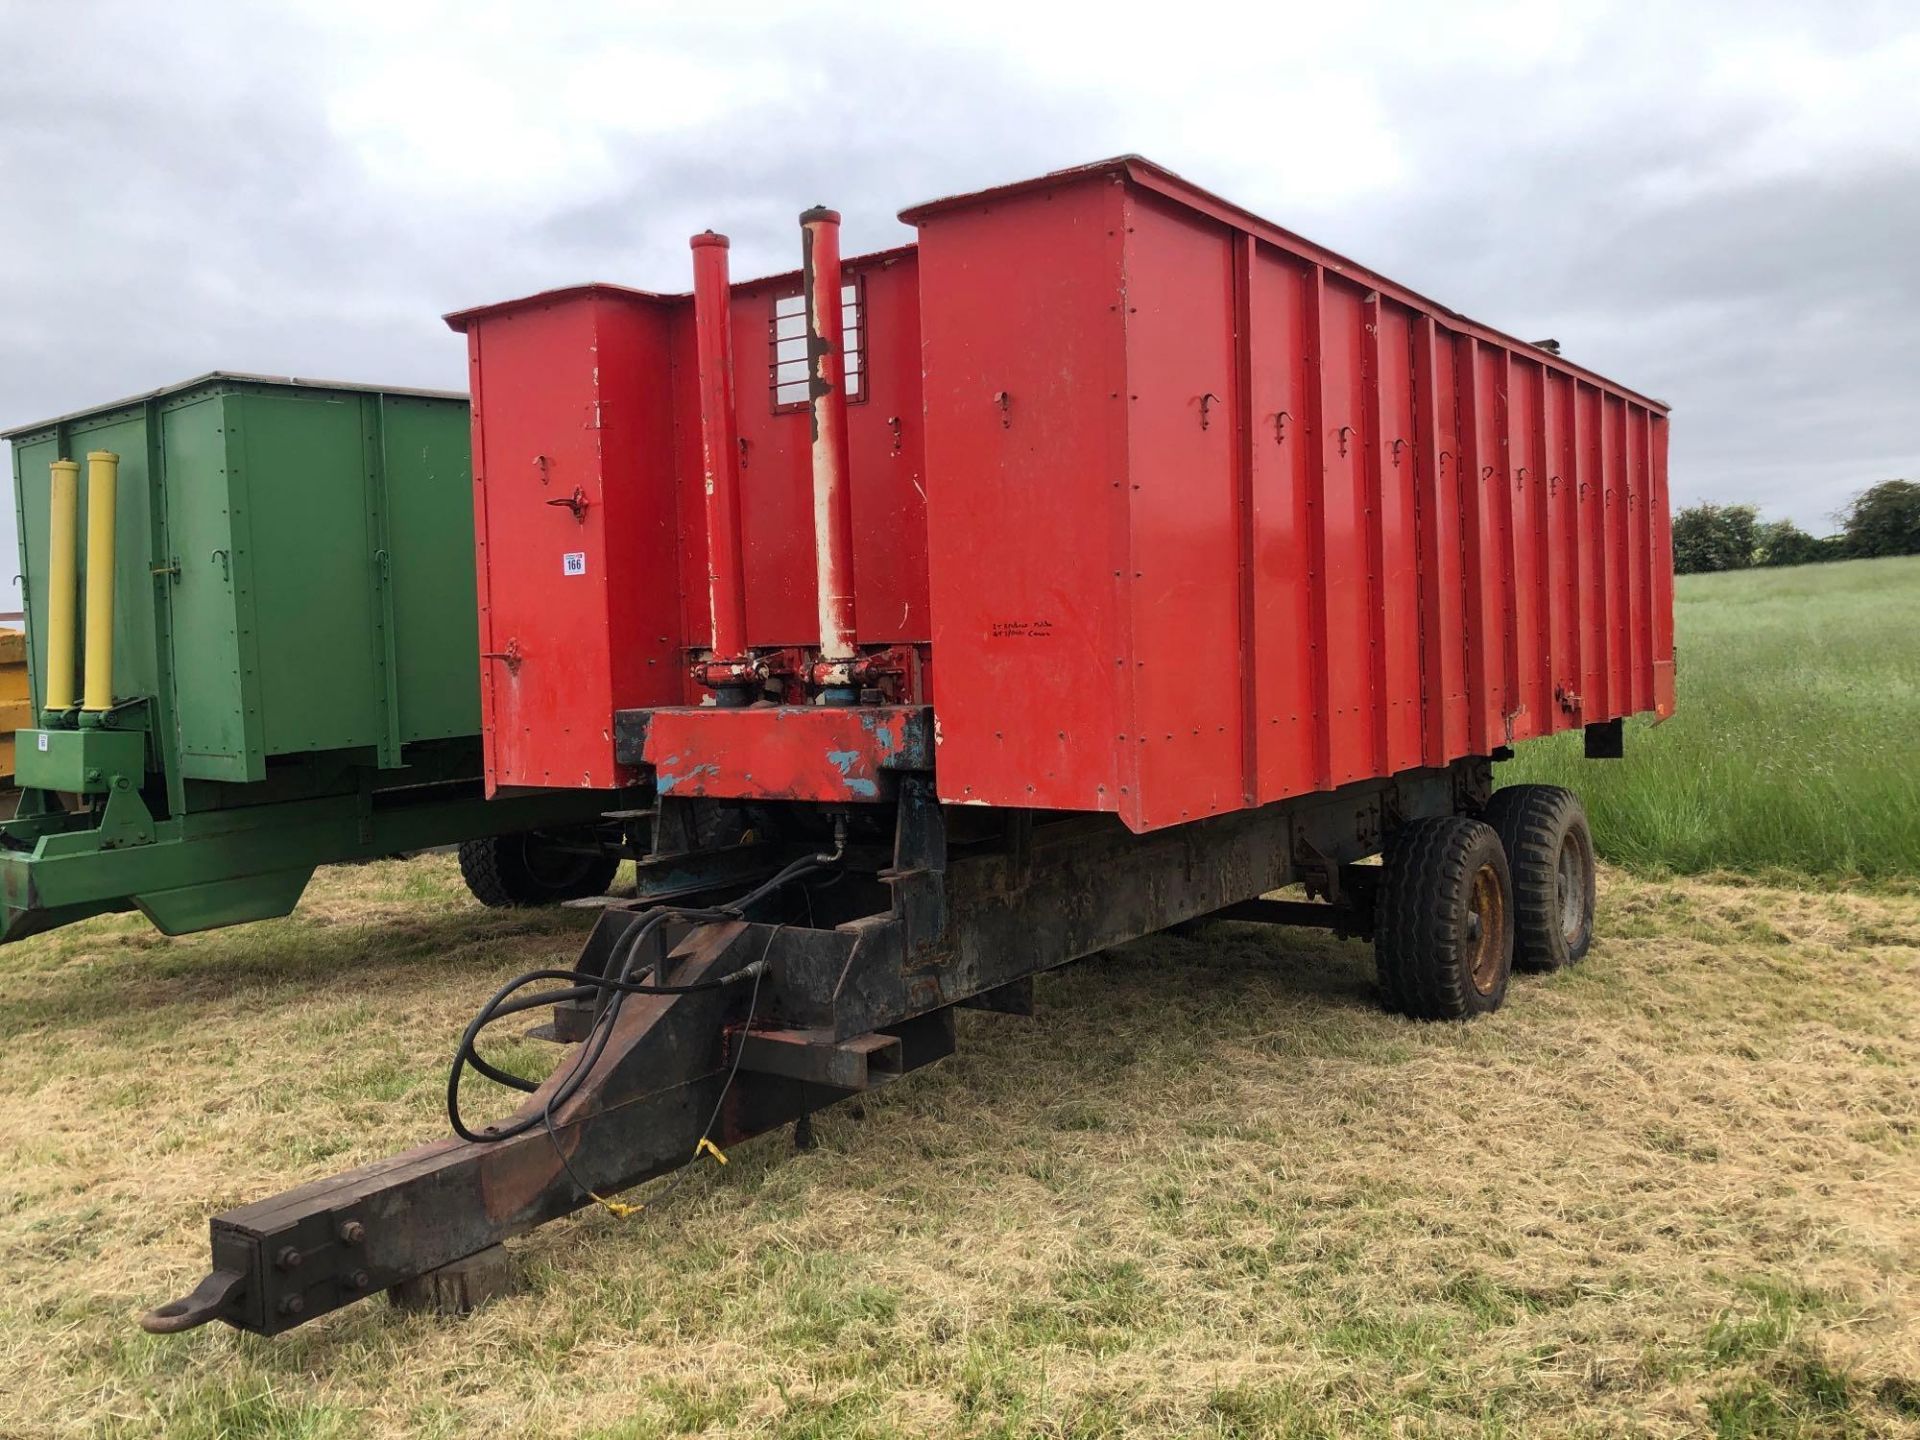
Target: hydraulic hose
[(617, 983)]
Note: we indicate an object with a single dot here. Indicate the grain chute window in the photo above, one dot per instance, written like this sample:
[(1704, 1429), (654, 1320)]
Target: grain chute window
[(787, 332)]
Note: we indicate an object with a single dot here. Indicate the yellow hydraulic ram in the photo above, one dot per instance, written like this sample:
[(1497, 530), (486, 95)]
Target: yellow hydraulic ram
[(103, 469), (63, 570)]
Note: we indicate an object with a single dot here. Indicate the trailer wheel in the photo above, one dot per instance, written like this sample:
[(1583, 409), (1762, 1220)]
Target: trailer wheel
[(1443, 926), (1543, 829), (532, 869)]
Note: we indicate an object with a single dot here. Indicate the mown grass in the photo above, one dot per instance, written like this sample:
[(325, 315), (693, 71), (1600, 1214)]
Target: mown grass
[(1795, 745), (1211, 1190)]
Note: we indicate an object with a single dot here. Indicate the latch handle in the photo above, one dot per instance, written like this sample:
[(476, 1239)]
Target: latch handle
[(576, 502)]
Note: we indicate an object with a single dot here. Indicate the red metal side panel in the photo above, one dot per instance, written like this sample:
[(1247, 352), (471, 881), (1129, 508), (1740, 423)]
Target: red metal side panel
[(1496, 366), (1243, 246), (1639, 541), (1485, 550), (776, 487), (1563, 541), (1351, 713), (1430, 506), (1662, 561), (776, 505), (1024, 373), (1186, 665), (1390, 454), (1588, 417), (683, 384), (1567, 548), (1524, 488), (833, 754), (1287, 634), (886, 443), (1450, 551), (1313, 293), (886, 437), (575, 526), (1338, 533), (1535, 491), (637, 420), (1619, 642)]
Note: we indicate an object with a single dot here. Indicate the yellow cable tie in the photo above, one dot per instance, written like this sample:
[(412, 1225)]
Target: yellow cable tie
[(619, 1209), (707, 1147)]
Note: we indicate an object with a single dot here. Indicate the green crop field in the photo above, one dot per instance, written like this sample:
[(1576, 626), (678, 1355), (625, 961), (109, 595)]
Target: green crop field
[(1795, 747)]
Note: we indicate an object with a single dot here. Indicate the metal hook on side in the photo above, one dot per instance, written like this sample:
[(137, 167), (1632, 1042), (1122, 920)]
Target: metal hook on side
[(577, 502)]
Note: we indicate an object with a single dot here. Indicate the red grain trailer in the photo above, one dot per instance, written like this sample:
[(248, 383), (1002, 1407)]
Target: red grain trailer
[(1106, 560)]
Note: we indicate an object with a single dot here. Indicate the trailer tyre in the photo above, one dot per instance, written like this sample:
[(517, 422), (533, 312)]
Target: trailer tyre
[(532, 869), (1443, 923), (1543, 829)]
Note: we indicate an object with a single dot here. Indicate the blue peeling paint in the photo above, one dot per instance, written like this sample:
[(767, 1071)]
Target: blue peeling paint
[(666, 782), (844, 761)]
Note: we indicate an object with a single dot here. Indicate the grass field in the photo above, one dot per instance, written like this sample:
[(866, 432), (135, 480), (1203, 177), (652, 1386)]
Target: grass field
[(1211, 1190), (1795, 746)]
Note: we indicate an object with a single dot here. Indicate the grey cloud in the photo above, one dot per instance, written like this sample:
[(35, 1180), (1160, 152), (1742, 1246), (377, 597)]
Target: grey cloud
[(1777, 314), (178, 198)]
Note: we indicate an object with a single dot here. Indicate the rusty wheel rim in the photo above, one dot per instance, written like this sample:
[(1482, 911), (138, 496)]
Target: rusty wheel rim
[(1571, 882), (1486, 923)]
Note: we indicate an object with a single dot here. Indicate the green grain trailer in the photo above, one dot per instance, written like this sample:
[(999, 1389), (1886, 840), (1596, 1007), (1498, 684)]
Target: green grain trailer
[(290, 674)]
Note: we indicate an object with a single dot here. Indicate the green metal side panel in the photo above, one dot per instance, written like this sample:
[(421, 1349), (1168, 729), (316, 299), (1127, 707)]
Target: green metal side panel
[(126, 432), (31, 500), (216, 709), (429, 524), (296, 568), (308, 567), (296, 605)]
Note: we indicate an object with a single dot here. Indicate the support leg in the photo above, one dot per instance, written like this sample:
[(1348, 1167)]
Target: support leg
[(459, 1288)]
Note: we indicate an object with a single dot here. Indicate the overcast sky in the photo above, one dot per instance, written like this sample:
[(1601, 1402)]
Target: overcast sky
[(1716, 205)]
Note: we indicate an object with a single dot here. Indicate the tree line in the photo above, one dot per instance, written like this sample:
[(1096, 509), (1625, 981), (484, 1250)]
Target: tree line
[(1883, 520)]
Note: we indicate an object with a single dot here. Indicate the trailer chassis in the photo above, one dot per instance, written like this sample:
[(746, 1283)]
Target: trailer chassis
[(851, 987)]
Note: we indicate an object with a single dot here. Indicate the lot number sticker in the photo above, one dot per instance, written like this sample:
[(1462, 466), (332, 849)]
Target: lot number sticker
[(574, 562)]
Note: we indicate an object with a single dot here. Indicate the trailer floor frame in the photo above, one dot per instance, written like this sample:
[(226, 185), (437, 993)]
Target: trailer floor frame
[(855, 987)]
